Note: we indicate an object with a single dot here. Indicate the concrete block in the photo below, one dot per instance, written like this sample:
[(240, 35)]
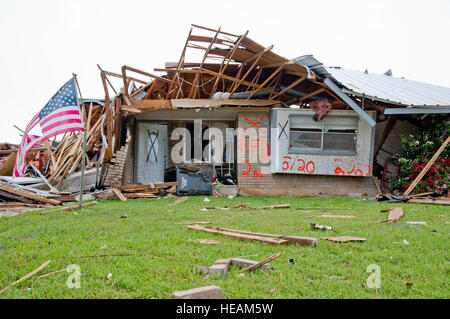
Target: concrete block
[(222, 261), (304, 241), (202, 269), (208, 292), (219, 270), (244, 263)]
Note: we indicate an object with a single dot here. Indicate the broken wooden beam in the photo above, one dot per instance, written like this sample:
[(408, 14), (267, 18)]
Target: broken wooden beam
[(29, 195), (119, 194), (262, 262), (31, 274), (268, 240), (394, 215)]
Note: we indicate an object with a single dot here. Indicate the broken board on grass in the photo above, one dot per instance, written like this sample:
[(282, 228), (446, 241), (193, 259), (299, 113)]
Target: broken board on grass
[(394, 215), (273, 239), (344, 239)]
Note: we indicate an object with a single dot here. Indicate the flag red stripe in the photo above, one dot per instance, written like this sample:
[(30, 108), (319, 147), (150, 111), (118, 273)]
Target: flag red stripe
[(59, 124), (48, 118)]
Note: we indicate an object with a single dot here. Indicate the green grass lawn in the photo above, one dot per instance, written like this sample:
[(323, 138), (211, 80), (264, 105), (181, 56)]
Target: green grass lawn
[(164, 254)]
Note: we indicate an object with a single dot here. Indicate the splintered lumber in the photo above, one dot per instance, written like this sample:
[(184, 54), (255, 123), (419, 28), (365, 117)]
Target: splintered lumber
[(30, 195), (65, 209), (119, 194), (180, 200), (344, 238), (140, 195), (261, 263), (394, 215), (31, 274), (268, 240), (426, 168), (15, 197), (248, 232), (430, 201), (134, 188)]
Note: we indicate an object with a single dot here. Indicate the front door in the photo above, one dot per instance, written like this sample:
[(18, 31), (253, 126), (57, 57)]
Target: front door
[(151, 153)]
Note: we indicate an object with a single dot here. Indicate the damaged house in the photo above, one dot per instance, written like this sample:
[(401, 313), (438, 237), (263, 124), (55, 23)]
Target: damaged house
[(249, 117)]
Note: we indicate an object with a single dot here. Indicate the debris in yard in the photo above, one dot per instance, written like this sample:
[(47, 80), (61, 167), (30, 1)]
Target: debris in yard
[(243, 206), (273, 290), (405, 242), (263, 237), (394, 215), (315, 226), (119, 194), (202, 269), (291, 261), (51, 273), (65, 209), (430, 201), (180, 200), (193, 223), (206, 200), (261, 263), (140, 195), (344, 239), (409, 284), (108, 278), (3, 248), (218, 270), (392, 198), (417, 223), (241, 263), (209, 241), (208, 292), (31, 274), (29, 195), (337, 216)]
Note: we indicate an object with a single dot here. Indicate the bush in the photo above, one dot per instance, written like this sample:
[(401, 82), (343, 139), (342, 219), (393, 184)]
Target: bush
[(417, 151)]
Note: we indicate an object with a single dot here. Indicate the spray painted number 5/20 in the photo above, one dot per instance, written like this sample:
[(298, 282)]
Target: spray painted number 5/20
[(298, 164)]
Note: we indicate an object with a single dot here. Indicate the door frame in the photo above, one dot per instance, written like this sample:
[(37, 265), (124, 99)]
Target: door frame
[(136, 144)]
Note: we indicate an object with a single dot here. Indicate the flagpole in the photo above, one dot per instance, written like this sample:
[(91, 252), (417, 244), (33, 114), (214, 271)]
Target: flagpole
[(83, 161)]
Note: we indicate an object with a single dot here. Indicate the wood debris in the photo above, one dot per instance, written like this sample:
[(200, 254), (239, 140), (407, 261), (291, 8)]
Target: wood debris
[(344, 238), (394, 215), (273, 239), (244, 206), (31, 274)]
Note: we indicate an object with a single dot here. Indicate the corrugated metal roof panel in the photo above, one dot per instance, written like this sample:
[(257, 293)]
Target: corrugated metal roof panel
[(391, 89)]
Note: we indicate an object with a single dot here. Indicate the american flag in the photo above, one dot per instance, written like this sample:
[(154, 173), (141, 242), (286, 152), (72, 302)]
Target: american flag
[(60, 115)]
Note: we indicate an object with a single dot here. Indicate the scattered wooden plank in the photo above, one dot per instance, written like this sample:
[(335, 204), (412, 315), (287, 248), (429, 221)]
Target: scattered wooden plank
[(430, 201), (134, 188), (119, 194), (193, 223), (426, 168), (15, 197), (394, 215), (261, 263), (344, 238), (180, 200), (273, 241), (30, 195), (248, 232), (66, 209), (31, 274), (140, 195), (51, 273)]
